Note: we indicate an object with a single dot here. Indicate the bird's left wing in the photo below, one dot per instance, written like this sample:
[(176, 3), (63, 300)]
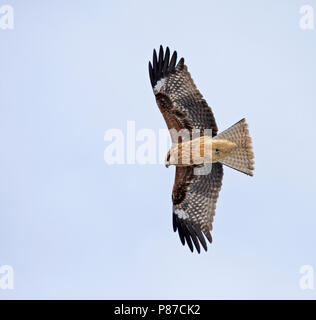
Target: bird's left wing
[(179, 101)]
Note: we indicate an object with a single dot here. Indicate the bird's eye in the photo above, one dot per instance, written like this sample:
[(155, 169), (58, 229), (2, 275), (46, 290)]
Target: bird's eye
[(217, 151), (168, 157)]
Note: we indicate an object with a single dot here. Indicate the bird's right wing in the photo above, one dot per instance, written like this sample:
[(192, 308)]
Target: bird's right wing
[(194, 201)]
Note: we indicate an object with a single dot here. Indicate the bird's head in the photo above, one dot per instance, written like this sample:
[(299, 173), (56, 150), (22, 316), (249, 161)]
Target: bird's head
[(174, 157), (167, 160)]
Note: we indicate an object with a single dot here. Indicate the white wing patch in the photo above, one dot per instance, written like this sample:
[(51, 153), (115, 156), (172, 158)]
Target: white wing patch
[(181, 214), (160, 84)]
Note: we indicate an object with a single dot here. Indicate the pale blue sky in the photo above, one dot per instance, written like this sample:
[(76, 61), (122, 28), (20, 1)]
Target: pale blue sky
[(74, 227)]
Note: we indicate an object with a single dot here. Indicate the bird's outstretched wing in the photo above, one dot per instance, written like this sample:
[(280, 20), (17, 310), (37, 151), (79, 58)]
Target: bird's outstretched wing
[(183, 107), (179, 101), (194, 201)]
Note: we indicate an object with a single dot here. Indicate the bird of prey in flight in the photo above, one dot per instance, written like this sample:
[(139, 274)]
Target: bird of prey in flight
[(197, 151)]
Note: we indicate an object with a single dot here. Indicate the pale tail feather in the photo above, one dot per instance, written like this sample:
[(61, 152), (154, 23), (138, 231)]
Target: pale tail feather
[(242, 158)]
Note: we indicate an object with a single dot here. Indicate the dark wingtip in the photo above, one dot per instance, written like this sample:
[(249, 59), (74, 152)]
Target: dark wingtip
[(194, 237), (187, 234), (150, 69), (166, 62), (200, 237), (180, 63), (174, 222), (160, 61), (190, 234), (154, 62), (208, 236), (161, 67), (173, 61)]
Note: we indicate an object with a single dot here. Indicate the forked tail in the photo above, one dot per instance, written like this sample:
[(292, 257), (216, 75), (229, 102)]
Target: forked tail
[(242, 158)]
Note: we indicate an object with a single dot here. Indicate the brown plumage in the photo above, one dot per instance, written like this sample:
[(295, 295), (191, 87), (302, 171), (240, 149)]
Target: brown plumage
[(195, 145)]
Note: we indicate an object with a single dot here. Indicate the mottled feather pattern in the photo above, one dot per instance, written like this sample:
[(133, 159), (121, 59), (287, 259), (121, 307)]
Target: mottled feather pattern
[(183, 107), (180, 88), (186, 97), (200, 201)]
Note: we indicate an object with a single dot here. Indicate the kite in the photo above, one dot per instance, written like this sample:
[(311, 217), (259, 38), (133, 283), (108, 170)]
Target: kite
[(197, 151)]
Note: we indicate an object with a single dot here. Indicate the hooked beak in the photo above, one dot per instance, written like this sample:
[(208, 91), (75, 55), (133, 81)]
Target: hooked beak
[(167, 159)]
